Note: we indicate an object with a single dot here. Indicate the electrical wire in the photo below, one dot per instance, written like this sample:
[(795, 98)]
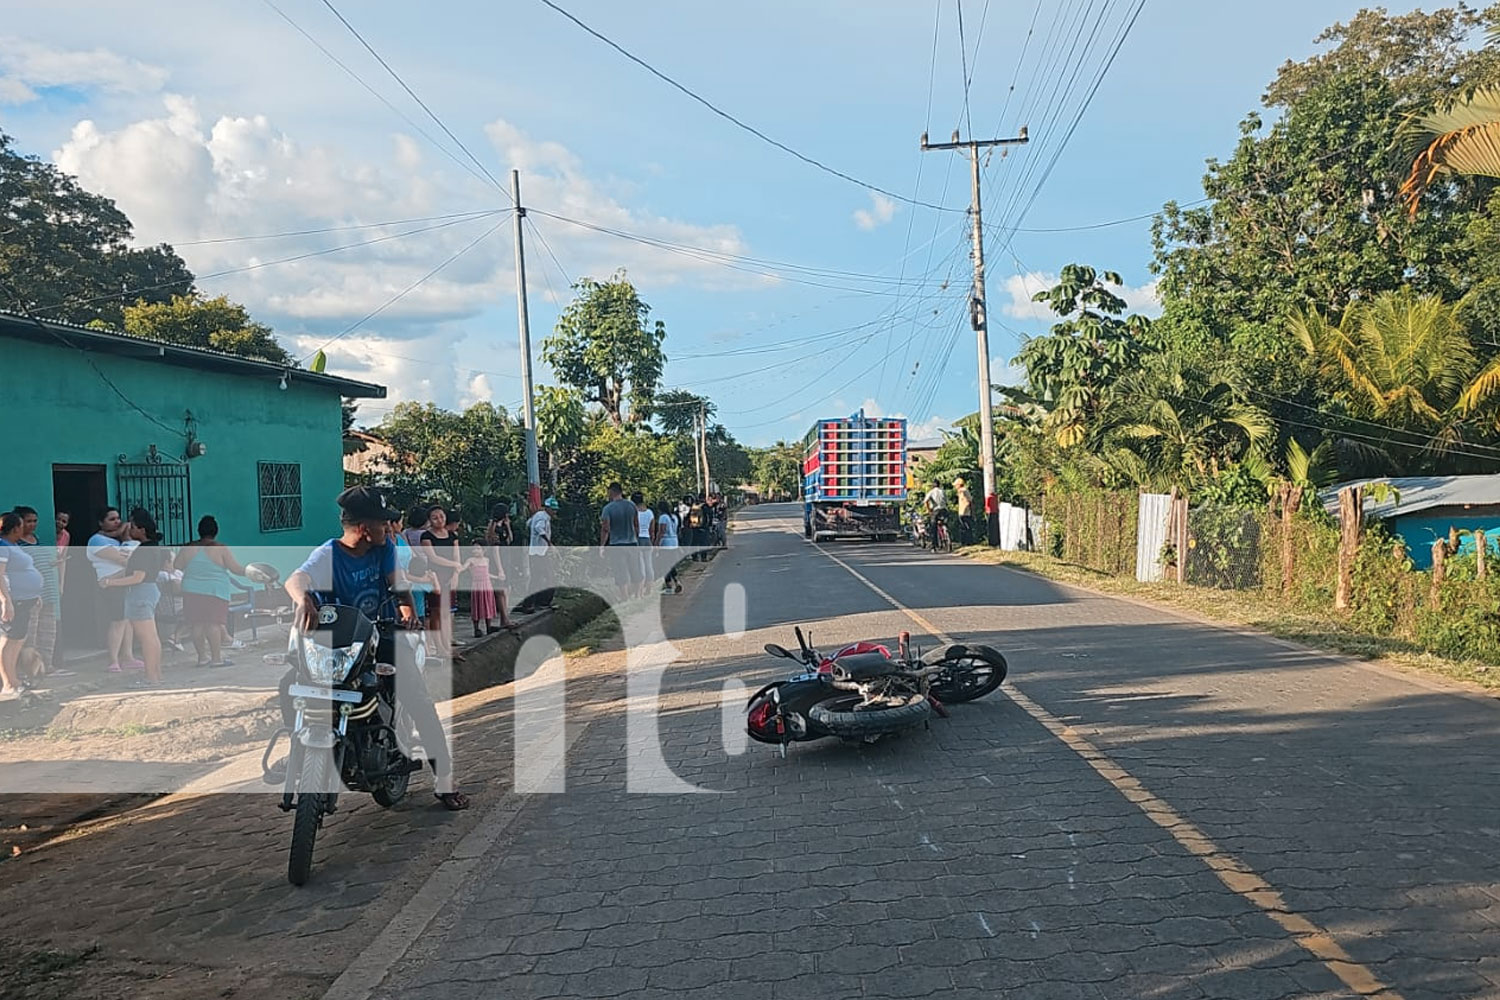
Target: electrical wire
[(963, 57), (265, 263), (379, 96), (420, 103), (407, 290), (738, 123), (333, 229)]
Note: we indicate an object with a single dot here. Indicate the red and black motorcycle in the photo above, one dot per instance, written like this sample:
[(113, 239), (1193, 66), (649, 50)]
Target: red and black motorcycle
[(862, 693)]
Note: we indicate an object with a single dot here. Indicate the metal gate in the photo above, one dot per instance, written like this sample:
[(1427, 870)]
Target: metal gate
[(161, 486), (1151, 535)]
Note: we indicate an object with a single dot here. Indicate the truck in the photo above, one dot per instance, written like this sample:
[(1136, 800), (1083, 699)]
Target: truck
[(854, 478)]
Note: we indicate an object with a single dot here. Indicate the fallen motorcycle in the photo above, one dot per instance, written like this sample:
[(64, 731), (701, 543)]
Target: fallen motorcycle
[(861, 693)]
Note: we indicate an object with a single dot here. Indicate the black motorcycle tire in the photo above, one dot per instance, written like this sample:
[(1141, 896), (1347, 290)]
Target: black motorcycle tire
[(950, 693), (837, 715), (309, 816), (393, 788)]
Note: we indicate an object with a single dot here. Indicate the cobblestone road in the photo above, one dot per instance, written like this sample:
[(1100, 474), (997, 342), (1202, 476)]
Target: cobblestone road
[(985, 856)]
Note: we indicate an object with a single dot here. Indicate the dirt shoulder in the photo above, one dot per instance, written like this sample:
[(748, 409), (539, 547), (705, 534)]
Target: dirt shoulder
[(1251, 610)]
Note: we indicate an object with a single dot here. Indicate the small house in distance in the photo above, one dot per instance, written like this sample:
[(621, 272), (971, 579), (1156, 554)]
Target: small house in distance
[(1425, 507)]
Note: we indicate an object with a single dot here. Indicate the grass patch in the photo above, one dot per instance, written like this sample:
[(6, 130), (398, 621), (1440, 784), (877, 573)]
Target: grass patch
[(41, 974), (1253, 609)]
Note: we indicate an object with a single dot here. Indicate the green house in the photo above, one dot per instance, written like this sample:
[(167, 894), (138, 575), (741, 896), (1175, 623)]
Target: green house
[(97, 418)]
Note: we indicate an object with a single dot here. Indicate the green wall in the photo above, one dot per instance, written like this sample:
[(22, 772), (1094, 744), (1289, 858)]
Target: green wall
[(60, 411)]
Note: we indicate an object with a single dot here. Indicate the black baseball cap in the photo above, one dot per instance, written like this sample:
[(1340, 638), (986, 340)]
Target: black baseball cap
[(364, 503)]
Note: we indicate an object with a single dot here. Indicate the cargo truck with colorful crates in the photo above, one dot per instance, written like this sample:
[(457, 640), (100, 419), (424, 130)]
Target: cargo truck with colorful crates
[(854, 478)]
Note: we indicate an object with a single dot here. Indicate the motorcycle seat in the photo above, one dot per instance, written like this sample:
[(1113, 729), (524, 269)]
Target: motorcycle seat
[(865, 666)]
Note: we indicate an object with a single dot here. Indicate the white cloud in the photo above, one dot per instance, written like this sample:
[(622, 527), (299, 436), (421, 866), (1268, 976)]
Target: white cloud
[(26, 66), (926, 430), (881, 211), (1021, 287)]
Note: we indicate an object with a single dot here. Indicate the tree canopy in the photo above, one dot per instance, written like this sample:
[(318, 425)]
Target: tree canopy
[(65, 253), (606, 346)]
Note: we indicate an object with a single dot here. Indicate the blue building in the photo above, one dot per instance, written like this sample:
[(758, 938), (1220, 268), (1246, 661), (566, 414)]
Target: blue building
[(1425, 507)]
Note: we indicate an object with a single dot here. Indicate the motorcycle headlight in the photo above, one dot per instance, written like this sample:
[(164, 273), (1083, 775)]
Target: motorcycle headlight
[(325, 665)]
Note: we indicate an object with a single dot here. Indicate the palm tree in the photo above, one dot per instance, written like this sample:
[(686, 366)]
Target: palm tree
[(1182, 422), (1463, 138), (1402, 360)]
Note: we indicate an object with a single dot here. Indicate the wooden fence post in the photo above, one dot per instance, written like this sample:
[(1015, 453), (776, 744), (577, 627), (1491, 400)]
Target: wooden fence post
[(1182, 537), (1479, 553), (1439, 571), (1291, 499), (1351, 520)]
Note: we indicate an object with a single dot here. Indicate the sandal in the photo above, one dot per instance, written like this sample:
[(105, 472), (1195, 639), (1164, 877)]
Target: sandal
[(453, 801)]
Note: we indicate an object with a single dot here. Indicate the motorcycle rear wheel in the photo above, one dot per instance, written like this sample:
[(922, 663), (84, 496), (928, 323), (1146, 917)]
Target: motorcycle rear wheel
[(310, 806), (972, 677), (838, 716)]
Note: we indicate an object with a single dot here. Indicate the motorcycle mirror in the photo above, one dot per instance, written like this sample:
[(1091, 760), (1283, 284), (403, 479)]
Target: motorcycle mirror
[(776, 650)]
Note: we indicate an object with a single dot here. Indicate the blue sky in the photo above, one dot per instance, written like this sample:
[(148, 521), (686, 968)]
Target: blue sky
[(207, 121)]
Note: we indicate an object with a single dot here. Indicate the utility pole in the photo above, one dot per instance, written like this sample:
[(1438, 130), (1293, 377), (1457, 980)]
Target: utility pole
[(978, 320), (703, 444), (528, 401), (697, 459)]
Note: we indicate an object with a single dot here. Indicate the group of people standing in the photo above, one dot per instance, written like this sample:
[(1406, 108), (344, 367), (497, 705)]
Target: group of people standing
[(129, 567), (696, 522)]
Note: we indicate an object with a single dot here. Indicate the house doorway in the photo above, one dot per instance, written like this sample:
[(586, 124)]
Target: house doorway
[(82, 491)]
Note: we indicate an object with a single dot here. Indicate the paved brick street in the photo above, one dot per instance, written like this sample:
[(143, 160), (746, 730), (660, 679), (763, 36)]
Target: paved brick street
[(985, 856)]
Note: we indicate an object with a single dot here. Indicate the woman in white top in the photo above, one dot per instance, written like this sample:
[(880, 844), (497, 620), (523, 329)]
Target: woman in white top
[(665, 534)]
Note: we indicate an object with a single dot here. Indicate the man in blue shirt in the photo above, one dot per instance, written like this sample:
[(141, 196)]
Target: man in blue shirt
[(358, 569)]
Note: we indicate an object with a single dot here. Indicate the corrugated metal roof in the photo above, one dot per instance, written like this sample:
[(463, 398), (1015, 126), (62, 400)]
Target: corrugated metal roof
[(1418, 493), (115, 342)]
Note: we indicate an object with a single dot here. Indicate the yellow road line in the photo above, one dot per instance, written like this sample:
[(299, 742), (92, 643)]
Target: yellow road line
[(1234, 873)]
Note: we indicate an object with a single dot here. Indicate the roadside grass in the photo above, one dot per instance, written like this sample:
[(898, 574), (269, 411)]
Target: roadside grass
[(1251, 609), (60, 734)]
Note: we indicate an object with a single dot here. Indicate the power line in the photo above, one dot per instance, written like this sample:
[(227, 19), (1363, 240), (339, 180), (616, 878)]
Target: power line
[(420, 103), (377, 94), (407, 290), (333, 229), (265, 263), (963, 57), (738, 123)]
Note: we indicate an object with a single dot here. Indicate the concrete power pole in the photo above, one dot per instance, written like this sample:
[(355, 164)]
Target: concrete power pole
[(978, 320), (528, 399), (703, 444)]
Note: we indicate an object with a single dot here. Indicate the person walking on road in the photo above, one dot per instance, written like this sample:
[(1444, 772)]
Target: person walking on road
[(619, 527), (541, 557), (645, 536), (666, 539)]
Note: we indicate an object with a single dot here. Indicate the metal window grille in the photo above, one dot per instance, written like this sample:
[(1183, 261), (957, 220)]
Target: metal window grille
[(280, 490)]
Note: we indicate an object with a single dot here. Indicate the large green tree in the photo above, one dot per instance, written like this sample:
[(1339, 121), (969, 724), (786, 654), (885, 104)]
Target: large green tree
[(1070, 369), (65, 252), (777, 469), (469, 459), (216, 324), (561, 423), (1306, 211), (606, 346)]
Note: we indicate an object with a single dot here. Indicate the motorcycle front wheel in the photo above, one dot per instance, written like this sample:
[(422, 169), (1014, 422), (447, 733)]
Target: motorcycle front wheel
[(309, 815), (841, 715), (972, 676)]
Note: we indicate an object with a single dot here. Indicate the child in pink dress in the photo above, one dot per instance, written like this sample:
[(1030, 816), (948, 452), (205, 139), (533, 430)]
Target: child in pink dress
[(481, 592)]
